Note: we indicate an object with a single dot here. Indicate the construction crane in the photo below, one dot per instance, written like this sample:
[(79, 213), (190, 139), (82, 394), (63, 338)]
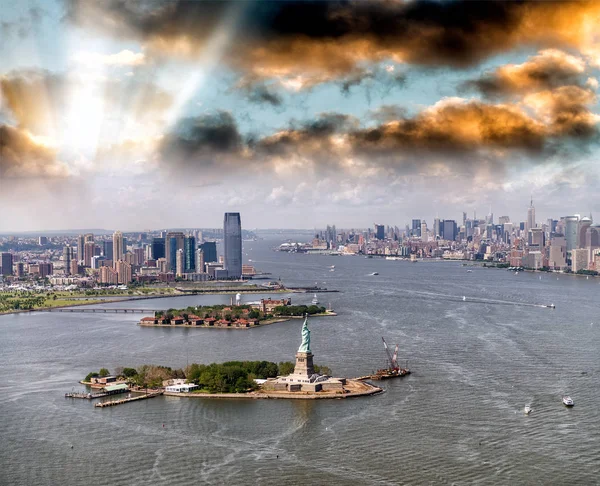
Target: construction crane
[(393, 359)]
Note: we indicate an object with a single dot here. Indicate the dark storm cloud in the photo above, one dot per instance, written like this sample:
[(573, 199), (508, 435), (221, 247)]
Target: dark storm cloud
[(201, 140), (328, 40)]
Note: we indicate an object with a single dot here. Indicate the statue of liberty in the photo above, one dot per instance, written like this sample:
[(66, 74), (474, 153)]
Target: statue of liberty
[(305, 346)]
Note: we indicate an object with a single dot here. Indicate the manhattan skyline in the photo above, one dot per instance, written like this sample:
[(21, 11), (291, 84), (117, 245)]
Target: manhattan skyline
[(139, 115)]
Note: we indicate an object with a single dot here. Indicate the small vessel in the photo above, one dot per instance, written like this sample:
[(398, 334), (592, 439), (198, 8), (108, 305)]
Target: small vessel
[(375, 273), (469, 271), (332, 267), (528, 410), (315, 300), (464, 298), (568, 401), (551, 306)]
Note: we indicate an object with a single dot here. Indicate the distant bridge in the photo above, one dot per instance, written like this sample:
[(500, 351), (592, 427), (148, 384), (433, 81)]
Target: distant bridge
[(98, 311)]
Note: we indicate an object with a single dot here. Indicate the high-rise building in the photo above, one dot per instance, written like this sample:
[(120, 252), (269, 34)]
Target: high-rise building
[(579, 259), (380, 232), (209, 248), (570, 225), (6, 262), (582, 227), (118, 246), (158, 248), (450, 230), (437, 228), (88, 238), (124, 272), (416, 227), (557, 259), (67, 259), (42, 240), (189, 253), (173, 242), (423, 231), (75, 268), (88, 252), (536, 238), (19, 270), (108, 275), (80, 245), (530, 217), (108, 249), (232, 244), (199, 261), (179, 263)]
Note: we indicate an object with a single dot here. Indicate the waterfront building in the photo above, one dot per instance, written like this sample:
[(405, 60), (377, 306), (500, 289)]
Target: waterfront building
[(6, 263), (189, 249), (579, 259), (158, 248), (173, 242), (232, 243), (118, 246), (534, 259), (557, 259), (80, 245), (570, 225)]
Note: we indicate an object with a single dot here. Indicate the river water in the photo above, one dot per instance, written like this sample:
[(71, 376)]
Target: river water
[(458, 419)]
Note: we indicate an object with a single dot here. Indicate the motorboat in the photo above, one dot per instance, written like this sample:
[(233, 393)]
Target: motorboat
[(375, 273), (315, 300), (528, 410), (332, 267), (568, 401), (464, 298), (469, 271)]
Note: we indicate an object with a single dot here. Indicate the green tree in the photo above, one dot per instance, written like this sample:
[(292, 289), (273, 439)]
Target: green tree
[(103, 373)]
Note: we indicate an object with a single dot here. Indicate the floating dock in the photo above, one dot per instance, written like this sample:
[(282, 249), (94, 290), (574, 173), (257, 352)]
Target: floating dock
[(113, 403), (107, 390)]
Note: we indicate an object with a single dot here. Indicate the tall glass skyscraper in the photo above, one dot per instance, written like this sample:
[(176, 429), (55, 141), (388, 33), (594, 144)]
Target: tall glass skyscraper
[(158, 248), (189, 254), (232, 241), (209, 248)]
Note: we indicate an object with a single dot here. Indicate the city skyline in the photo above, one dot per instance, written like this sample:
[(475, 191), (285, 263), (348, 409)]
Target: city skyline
[(121, 115)]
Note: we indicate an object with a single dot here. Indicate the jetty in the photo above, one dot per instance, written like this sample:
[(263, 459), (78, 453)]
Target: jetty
[(99, 310), (113, 403)]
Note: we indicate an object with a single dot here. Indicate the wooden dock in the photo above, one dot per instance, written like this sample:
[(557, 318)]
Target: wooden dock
[(113, 403)]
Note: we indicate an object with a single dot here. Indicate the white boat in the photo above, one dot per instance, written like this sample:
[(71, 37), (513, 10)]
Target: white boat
[(315, 301), (464, 298), (469, 271), (375, 273), (332, 267), (568, 401), (528, 410)]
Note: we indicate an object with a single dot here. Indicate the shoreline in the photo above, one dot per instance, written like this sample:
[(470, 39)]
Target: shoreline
[(361, 390)]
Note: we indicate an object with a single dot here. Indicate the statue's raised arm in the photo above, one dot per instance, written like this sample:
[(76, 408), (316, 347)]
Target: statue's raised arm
[(305, 346)]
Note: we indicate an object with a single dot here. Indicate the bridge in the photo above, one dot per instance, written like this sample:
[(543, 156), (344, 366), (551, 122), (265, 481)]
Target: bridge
[(98, 311)]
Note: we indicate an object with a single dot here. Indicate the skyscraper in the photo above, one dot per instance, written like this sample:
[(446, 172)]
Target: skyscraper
[(449, 229), (158, 248), (423, 231), (209, 249), (380, 231), (232, 242), (173, 242), (118, 246), (199, 261), (107, 249), (416, 227), (88, 252), (530, 217), (67, 259), (570, 223), (80, 245), (179, 263), (6, 262), (189, 253)]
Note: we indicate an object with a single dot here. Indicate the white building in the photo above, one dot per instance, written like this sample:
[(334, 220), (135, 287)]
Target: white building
[(181, 388)]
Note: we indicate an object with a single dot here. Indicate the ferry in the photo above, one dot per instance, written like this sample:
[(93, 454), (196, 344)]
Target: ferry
[(568, 401), (315, 300)]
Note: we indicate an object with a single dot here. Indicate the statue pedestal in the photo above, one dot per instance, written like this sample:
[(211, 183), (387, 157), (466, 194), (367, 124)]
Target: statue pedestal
[(304, 364)]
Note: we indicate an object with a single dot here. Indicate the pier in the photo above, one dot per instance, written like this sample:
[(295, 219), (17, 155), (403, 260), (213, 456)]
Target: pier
[(106, 392), (113, 403)]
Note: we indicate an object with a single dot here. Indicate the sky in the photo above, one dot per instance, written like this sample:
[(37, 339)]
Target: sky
[(138, 115)]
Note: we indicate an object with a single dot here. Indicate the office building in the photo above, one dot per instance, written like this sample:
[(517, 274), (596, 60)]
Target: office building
[(530, 217), (124, 272), (108, 249), (80, 245), (6, 262), (118, 246), (209, 248), (89, 250), (450, 230), (173, 242), (380, 232), (579, 259), (536, 238), (557, 259), (232, 244), (570, 225), (19, 270), (158, 248), (189, 254), (67, 259), (416, 227), (423, 231), (108, 275), (179, 263), (42, 240), (199, 261), (436, 227), (582, 227)]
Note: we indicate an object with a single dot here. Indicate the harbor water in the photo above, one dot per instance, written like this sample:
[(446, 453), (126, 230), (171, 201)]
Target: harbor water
[(480, 345)]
